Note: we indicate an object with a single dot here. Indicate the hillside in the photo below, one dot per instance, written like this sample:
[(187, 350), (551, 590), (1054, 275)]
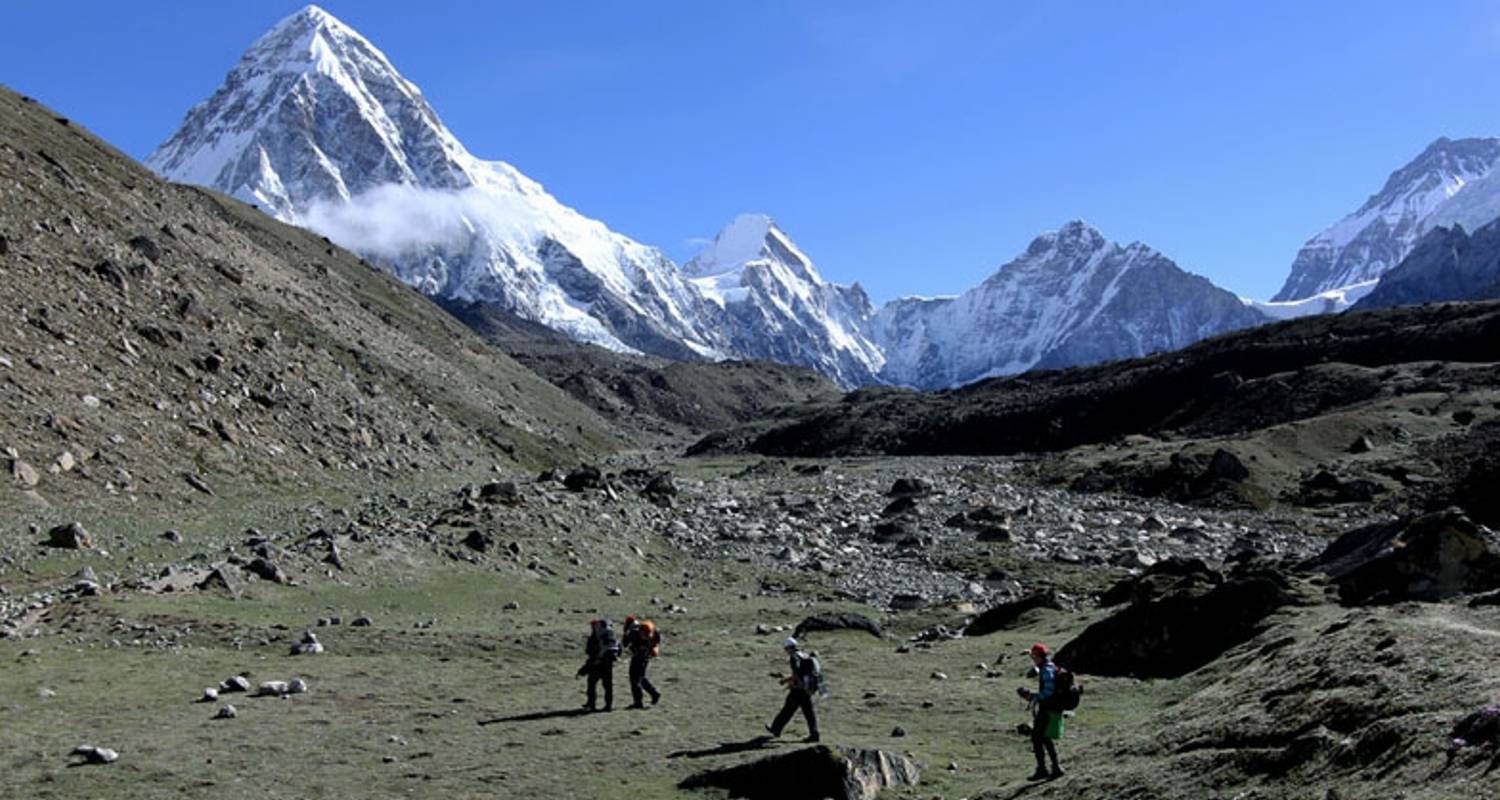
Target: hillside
[(170, 342), (644, 395), (1416, 384)]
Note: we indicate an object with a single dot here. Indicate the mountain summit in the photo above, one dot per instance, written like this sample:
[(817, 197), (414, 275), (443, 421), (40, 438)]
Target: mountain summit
[(1072, 298), (781, 308), (1452, 181), (316, 126)]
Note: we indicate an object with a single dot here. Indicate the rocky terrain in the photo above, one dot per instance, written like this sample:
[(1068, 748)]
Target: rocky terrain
[(168, 343), (278, 526)]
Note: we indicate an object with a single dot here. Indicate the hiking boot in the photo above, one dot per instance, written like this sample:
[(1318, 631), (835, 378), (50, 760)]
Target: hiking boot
[(1057, 772), (811, 739), (1040, 775), (773, 731), (635, 705), (656, 698)]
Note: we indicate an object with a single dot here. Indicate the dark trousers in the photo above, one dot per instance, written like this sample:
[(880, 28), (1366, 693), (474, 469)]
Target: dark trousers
[(795, 699), (1040, 745), (602, 672), (639, 683)]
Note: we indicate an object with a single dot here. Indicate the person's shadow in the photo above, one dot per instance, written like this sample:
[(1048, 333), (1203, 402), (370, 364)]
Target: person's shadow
[(539, 715), (726, 748)]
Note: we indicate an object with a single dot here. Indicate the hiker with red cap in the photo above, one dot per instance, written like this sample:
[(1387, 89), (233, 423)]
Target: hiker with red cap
[(1046, 723)]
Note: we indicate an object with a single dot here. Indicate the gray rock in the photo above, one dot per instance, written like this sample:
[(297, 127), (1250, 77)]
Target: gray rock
[(71, 536), (227, 711), (841, 773), (272, 689), (237, 683), (268, 570), (308, 646), (96, 755)]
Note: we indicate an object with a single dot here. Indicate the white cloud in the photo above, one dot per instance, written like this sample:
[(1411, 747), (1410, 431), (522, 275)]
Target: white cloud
[(395, 220)]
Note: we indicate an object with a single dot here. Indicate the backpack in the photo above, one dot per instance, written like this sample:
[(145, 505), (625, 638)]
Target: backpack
[(1066, 693), (811, 675), (651, 638), (602, 642)]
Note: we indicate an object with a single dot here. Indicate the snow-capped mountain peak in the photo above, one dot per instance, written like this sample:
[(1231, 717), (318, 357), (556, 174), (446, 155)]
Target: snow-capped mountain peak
[(1072, 297), (782, 307), (316, 126), (1451, 181)]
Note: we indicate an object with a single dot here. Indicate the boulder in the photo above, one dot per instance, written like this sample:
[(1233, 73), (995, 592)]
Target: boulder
[(1163, 577), (910, 487), (505, 492), (272, 689), (907, 602), (479, 541), (1000, 617), (661, 485), (993, 533), (585, 477), (238, 683), (227, 577), (308, 646), (268, 570), (71, 536), (1325, 488), (841, 773), (1429, 557), (901, 505), (837, 622), (96, 755), (1189, 627), (25, 474)]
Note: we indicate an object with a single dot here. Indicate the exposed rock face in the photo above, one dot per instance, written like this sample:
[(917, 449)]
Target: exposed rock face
[(841, 773), (1452, 181), (1005, 615), (1431, 557), (1072, 298), (1172, 635), (1445, 265), (837, 622)]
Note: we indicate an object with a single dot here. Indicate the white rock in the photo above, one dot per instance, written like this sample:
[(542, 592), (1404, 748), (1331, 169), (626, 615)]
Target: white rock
[(272, 689)]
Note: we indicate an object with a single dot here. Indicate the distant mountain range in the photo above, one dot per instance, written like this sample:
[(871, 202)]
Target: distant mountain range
[(1451, 182), (316, 127)]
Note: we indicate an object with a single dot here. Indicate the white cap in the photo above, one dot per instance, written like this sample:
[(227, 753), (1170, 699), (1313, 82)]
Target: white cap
[(790, 642)]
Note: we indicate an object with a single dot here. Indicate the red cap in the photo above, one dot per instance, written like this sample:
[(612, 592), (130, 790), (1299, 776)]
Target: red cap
[(1040, 649)]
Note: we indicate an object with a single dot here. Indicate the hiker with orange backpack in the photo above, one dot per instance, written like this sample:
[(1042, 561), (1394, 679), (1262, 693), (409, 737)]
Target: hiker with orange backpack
[(644, 643)]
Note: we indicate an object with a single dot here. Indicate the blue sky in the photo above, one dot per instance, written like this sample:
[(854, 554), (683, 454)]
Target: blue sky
[(913, 147)]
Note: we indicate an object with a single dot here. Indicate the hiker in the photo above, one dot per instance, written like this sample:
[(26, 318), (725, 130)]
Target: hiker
[(804, 681), (644, 644), (602, 650), (1044, 729)]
